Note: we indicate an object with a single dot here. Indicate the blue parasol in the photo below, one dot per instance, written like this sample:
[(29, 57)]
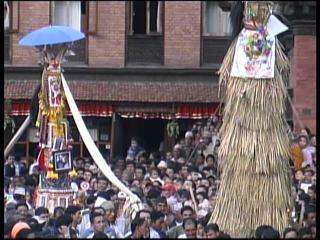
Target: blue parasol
[(51, 35)]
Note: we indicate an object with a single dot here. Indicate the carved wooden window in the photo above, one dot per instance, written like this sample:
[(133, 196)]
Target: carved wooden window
[(215, 19), (145, 17)]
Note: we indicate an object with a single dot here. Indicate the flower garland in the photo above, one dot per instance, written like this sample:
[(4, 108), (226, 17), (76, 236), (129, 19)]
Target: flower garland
[(258, 45), (9, 121), (173, 129)]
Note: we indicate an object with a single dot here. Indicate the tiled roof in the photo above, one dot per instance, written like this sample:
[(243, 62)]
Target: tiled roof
[(152, 92)]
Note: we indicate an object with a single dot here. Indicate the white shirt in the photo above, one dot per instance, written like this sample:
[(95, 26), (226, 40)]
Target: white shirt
[(182, 236), (215, 137), (91, 235), (85, 224), (74, 187), (31, 168), (17, 169), (154, 233)]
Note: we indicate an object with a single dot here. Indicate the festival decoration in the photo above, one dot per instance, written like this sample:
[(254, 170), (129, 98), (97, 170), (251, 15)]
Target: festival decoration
[(55, 140), (53, 128), (49, 112), (8, 120), (255, 186), (173, 129)]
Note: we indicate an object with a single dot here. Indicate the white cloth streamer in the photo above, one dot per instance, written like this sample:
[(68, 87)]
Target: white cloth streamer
[(136, 204)]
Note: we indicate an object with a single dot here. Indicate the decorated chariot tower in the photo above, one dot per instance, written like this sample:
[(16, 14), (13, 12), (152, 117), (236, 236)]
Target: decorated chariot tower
[(55, 158), (48, 109), (55, 143)]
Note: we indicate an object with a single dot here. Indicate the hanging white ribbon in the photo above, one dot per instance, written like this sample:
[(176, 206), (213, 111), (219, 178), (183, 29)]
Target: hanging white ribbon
[(93, 150)]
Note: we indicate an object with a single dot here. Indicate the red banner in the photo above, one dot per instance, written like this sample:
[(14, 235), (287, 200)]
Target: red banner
[(86, 109)]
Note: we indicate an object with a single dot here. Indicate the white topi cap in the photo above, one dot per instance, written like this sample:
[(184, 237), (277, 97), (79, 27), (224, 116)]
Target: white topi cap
[(188, 134), (162, 164), (20, 191)]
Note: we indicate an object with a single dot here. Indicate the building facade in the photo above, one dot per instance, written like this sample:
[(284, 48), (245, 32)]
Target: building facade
[(143, 64)]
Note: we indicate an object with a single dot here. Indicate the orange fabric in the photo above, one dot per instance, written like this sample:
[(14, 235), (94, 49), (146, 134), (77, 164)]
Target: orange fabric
[(17, 228), (296, 156)]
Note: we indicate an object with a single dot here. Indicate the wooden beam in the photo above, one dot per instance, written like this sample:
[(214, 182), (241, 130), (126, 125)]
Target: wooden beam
[(92, 17)]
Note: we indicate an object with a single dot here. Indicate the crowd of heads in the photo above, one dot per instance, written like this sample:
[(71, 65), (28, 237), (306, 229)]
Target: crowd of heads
[(303, 165), (178, 190)]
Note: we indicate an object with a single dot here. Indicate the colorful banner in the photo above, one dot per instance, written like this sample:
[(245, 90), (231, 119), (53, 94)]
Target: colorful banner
[(254, 55)]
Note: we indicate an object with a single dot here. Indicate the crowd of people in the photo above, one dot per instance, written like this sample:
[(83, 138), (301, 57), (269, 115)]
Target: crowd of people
[(178, 189)]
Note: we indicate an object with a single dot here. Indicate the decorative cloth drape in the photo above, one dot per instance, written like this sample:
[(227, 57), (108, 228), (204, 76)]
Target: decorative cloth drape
[(102, 109), (68, 13), (217, 21), (196, 111), (87, 109)]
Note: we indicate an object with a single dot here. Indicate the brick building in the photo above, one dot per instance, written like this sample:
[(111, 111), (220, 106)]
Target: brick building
[(143, 63)]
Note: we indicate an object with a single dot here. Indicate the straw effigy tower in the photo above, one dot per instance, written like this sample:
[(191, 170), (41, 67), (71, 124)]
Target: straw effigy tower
[(255, 184)]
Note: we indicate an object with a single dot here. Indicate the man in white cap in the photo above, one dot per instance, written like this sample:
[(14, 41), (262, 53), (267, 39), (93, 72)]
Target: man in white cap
[(19, 196), (162, 166), (188, 149), (113, 227), (209, 148), (176, 153)]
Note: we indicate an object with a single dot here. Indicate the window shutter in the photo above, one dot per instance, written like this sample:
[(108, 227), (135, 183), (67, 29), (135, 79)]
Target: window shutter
[(67, 13), (6, 15), (148, 18), (92, 17), (216, 21), (159, 18), (74, 14), (15, 10), (130, 11), (60, 13)]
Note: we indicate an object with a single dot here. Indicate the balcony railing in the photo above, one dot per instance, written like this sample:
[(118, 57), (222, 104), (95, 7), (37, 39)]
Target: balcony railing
[(144, 50), (214, 49), (79, 49), (6, 50)]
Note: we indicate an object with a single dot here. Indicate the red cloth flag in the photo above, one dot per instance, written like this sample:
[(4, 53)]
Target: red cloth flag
[(40, 159)]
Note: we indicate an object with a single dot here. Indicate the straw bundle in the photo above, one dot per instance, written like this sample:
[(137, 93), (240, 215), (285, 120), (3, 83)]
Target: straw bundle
[(255, 184)]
